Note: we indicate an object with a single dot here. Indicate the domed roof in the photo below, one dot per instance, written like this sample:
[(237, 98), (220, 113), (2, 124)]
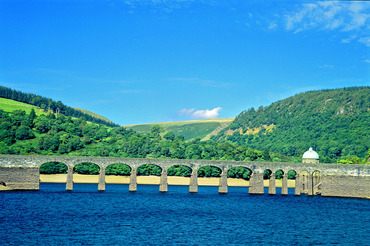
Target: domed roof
[(310, 154)]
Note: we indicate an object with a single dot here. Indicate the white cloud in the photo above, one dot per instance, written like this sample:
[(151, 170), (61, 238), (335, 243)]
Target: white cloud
[(328, 15), (345, 17), (365, 40), (367, 60), (200, 114)]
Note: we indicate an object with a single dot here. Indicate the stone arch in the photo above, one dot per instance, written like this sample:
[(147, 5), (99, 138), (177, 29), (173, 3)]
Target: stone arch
[(149, 169), (267, 173), (58, 170), (179, 170), (87, 168), (209, 171), (118, 169), (316, 182), (303, 181), (292, 174), (239, 172), (53, 167), (279, 174)]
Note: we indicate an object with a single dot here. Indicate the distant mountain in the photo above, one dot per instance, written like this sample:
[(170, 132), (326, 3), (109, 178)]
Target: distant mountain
[(202, 129), (334, 122)]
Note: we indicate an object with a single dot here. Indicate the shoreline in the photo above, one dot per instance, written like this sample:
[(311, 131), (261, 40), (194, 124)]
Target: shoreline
[(151, 180)]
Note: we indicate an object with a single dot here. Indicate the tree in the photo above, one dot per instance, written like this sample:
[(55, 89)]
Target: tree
[(169, 136)]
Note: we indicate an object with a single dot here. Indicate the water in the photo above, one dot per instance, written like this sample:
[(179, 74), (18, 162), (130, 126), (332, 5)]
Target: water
[(85, 216)]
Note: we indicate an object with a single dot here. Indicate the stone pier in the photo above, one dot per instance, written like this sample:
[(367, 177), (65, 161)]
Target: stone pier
[(309, 185), (272, 185), (69, 184), (101, 185), (193, 187), (297, 188), (222, 188), (163, 186), (284, 185), (256, 183), (133, 180)]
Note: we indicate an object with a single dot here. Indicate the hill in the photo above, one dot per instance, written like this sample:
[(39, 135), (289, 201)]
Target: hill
[(189, 129), (95, 115), (335, 122), (9, 105), (49, 105)]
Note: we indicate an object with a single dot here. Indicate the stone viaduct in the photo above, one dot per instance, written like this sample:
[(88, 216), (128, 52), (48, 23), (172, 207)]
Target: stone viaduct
[(23, 173)]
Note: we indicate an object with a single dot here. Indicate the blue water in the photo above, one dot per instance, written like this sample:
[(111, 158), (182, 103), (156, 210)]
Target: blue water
[(85, 216)]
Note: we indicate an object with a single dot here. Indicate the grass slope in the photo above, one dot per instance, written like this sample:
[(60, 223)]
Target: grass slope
[(189, 129), (93, 114), (9, 105)]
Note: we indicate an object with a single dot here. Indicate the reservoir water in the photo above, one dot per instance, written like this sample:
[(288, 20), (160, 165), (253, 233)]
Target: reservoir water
[(53, 216)]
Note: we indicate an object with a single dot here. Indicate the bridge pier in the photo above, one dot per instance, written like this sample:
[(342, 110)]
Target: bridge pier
[(101, 185), (133, 180), (69, 184), (256, 183), (222, 188), (297, 189), (272, 185), (163, 186), (193, 187), (284, 185), (310, 185)]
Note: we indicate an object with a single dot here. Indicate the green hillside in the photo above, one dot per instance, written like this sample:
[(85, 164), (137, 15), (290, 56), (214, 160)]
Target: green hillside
[(189, 129), (335, 122), (9, 105), (95, 115), (49, 105)]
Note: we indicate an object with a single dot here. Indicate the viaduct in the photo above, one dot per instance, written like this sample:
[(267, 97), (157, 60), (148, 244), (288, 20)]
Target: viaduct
[(339, 180)]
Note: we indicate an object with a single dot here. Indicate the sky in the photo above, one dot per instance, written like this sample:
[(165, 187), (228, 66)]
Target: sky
[(153, 61)]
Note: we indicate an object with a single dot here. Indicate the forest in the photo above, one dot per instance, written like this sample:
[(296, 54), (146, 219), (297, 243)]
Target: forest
[(336, 123)]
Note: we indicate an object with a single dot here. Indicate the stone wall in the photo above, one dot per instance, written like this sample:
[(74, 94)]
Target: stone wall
[(20, 178), (346, 186)]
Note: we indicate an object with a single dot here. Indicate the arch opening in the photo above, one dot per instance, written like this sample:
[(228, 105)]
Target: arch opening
[(86, 168), (149, 170), (118, 169), (292, 174), (239, 176), (117, 173), (53, 168), (267, 174), (179, 170), (279, 174), (209, 171), (53, 172), (239, 173)]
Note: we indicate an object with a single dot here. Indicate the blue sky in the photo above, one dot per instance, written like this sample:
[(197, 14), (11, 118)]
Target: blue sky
[(160, 60)]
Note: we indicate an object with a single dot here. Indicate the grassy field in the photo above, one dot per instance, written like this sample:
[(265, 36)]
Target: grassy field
[(98, 116), (189, 129), (9, 105)]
